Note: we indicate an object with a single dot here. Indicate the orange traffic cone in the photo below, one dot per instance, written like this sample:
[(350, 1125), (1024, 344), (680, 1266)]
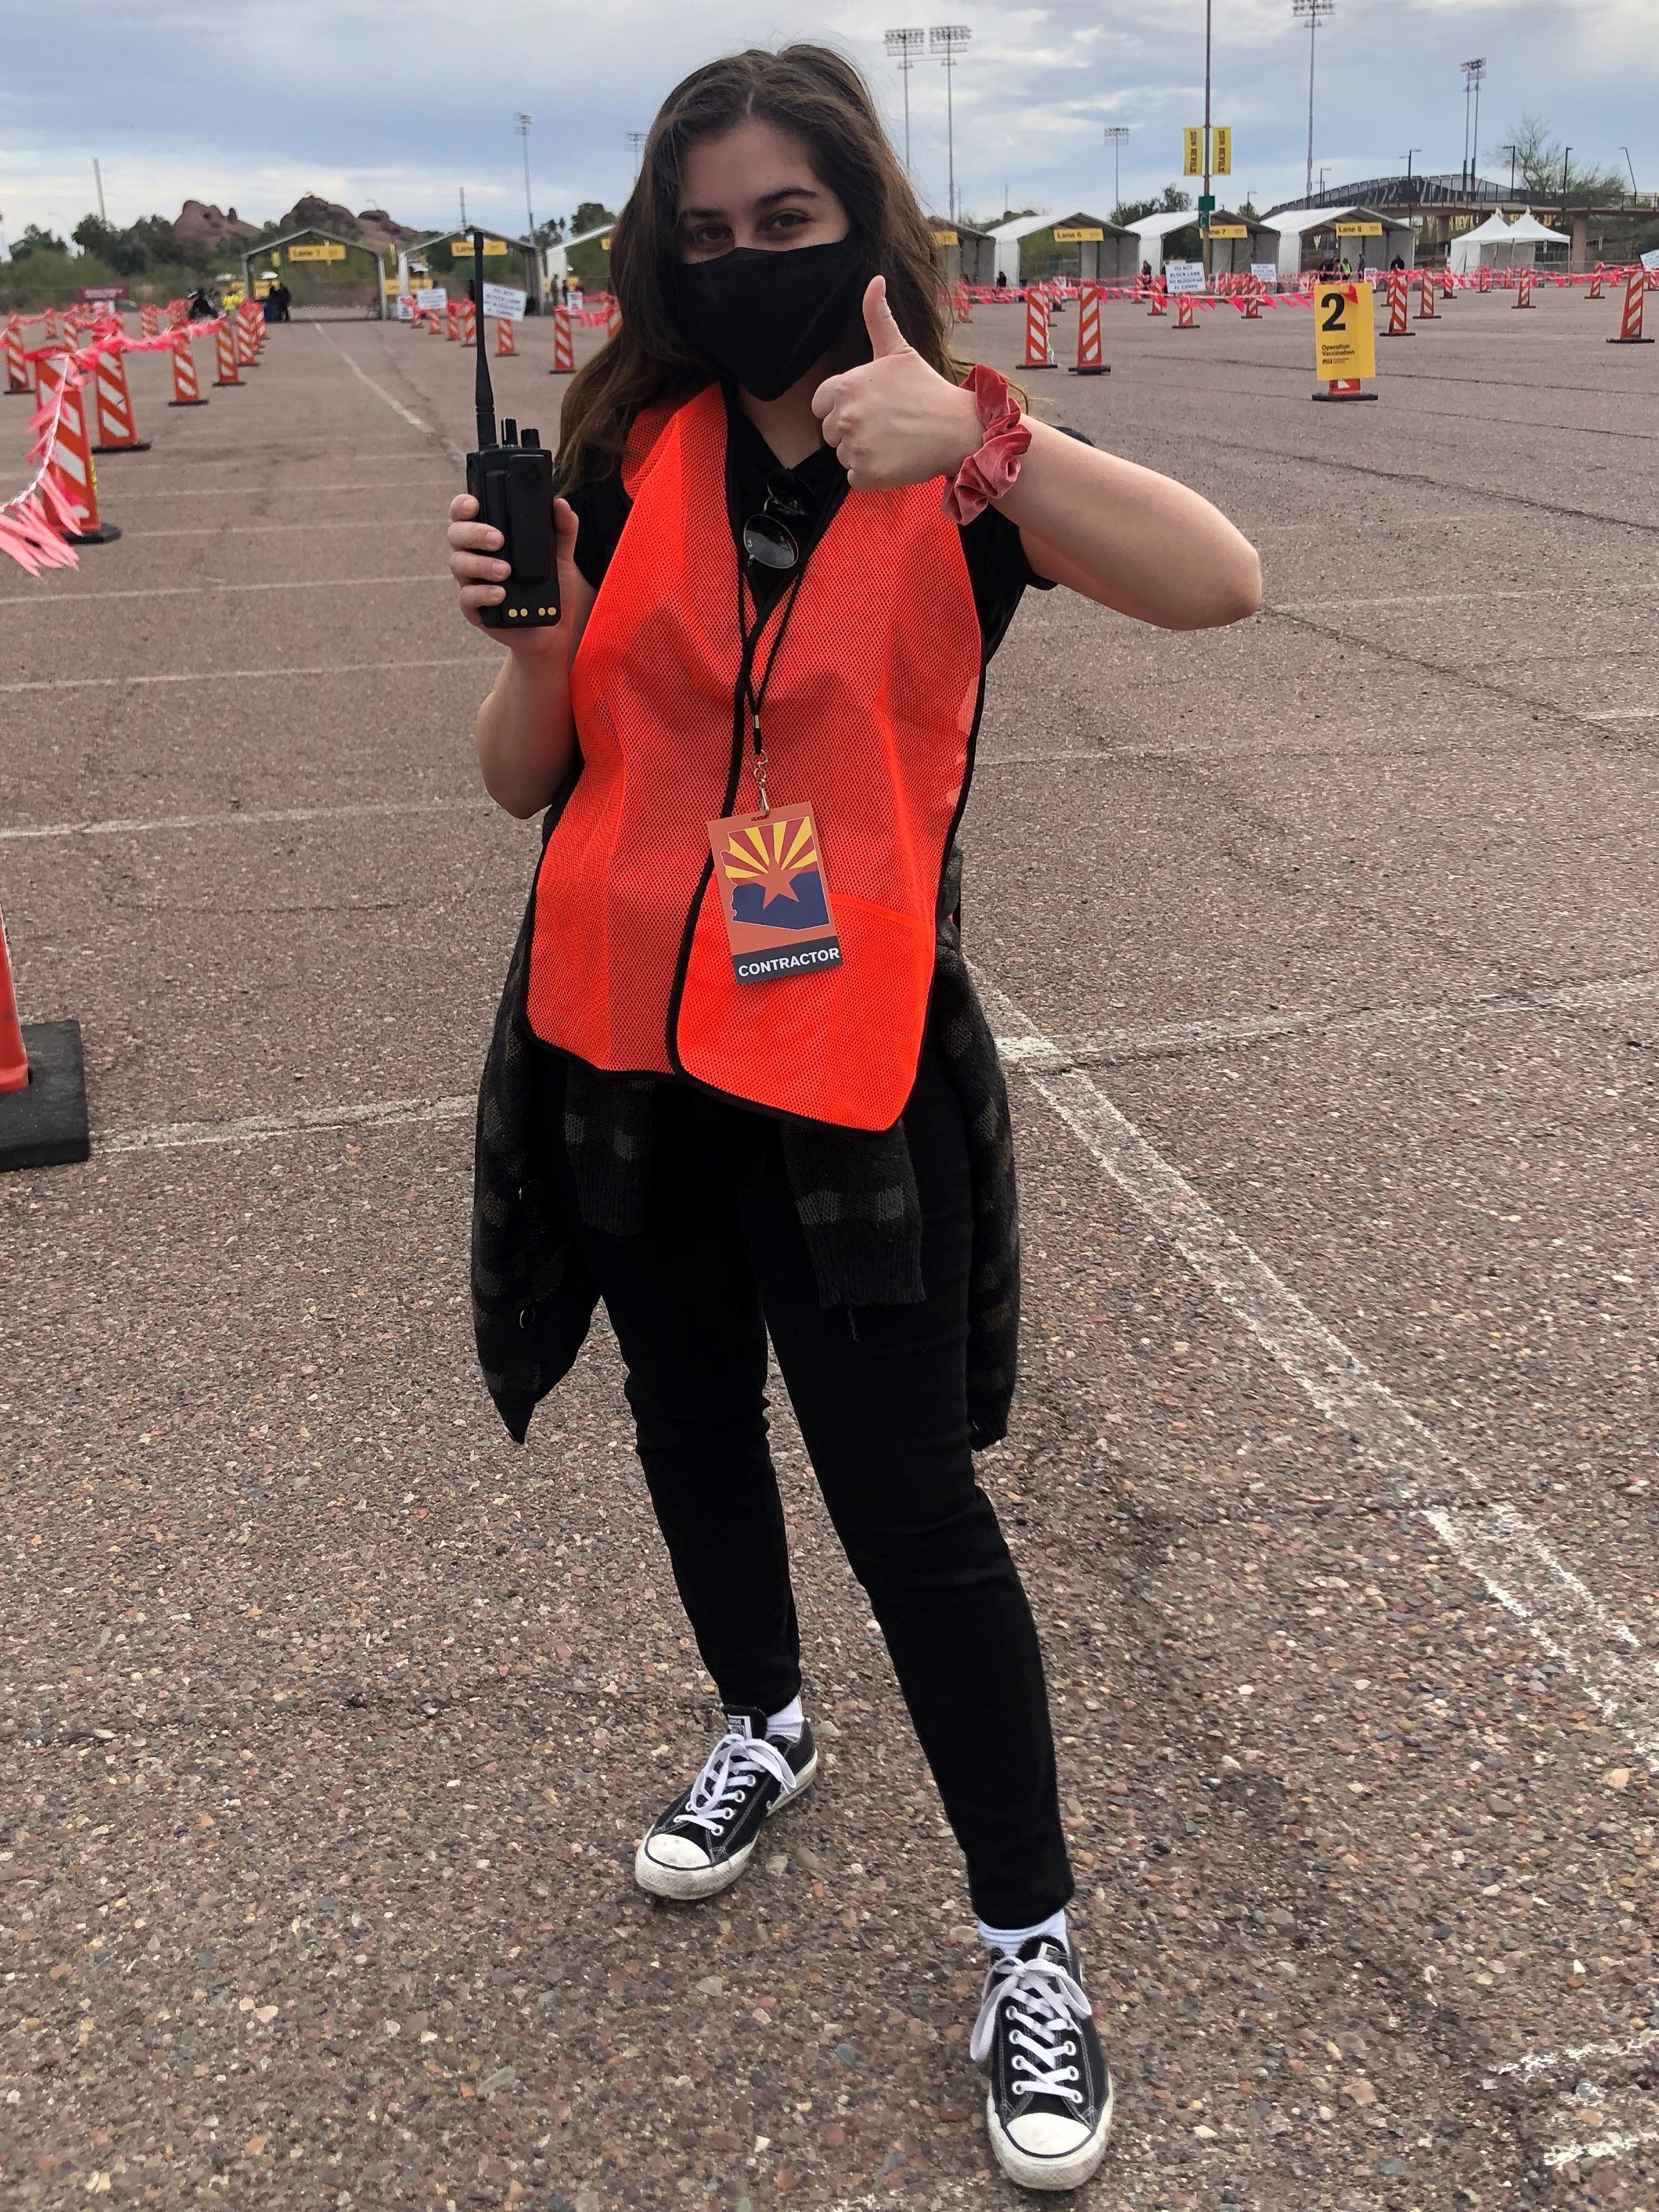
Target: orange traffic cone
[(224, 340), (17, 367), (564, 348), (1523, 295), (1629, 319), (1399, 306), (1425, 310), (117, 431), (43, 1085), (1160, 295), (1039, 345), (1185, 320), (1088, 359), (506, 338), (69, 463), (186, 386)]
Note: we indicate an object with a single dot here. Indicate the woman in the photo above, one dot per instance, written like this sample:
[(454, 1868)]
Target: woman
[(740, 1086)]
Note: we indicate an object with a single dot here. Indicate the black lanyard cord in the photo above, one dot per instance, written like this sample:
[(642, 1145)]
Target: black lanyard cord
[(752, 698)]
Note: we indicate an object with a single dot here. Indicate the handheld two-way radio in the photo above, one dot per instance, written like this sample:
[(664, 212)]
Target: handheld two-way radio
[(513, 483)]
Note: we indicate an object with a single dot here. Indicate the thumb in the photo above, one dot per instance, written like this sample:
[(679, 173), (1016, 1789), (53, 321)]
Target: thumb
[(886, 335)]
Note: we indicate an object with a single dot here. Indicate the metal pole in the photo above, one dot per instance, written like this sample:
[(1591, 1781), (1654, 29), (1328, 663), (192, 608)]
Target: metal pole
[(1204, 213), (98, 178), (522, 122), (947, 41)]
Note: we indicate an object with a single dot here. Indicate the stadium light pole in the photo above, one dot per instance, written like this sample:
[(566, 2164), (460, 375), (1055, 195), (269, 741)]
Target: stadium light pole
[(521, 123), (637, 139), (947, 41), (1473, 73), (904, 45), (1115, 135), (1311, 11)]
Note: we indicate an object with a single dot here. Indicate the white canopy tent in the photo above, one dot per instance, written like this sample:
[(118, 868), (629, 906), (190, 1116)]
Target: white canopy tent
[(1499, 244), (1152, 229), (1296, 225)]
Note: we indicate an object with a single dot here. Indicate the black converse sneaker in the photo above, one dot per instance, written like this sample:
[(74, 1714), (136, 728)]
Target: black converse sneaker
[(702, 1842), (1050, 2108)]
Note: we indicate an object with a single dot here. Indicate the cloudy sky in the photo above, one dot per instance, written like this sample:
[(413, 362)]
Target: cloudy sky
[(251, 103)]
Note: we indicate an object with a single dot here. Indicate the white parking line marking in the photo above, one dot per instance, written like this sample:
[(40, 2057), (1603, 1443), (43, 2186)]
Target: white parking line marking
[(232, 817), (379, 390), (387, 1114), (1206, 1033), (429, 519), (231, 676), (195, 591), (1547, 2062), (1517, 1568)]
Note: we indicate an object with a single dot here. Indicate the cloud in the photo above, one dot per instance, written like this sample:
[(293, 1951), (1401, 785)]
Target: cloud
[(400, 107)]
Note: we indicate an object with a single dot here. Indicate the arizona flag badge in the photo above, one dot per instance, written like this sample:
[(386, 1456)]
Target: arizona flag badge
[(768, 871)]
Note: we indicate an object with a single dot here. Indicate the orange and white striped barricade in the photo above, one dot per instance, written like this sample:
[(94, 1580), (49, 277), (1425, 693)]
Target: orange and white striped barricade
[(226, 367), (1399, 306), (1426, 308), (469, 323), (506, 340), (1160, 295), (1185, 319), (250, 329), (564, 345), (49, 321), (70, 462), (962, 308), (1090, 360), (149, 320), (1247, 298), (1523, 289), (612, 316), (1629, 319), (186, 386), (18, 383), (1598, 278), (452, 322), (117, 430), (1039, 345)]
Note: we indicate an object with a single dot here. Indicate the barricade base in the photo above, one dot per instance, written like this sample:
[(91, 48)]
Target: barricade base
[(1399, 334), (133, 446), (183, 403), (44, 1124), (1341, 398), (1629, 341), (1095, 368), (106, 534)]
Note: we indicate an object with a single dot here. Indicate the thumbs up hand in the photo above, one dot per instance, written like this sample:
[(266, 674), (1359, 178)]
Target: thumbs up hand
[(895, 420)]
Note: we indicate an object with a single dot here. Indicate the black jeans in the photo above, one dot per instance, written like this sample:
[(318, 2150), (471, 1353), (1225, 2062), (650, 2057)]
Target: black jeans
[(880, 1395)]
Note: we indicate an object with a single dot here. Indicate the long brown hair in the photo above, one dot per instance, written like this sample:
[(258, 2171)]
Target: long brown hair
[(818, 96)]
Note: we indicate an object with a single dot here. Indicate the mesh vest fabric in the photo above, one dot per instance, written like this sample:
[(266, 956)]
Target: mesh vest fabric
[(869, 718)]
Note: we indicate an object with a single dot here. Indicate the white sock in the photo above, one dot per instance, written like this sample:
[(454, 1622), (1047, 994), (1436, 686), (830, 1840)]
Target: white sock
[(1009, 1940), (786, 1724)]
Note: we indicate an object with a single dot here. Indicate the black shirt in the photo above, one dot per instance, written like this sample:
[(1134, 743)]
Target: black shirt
[(997, 566)]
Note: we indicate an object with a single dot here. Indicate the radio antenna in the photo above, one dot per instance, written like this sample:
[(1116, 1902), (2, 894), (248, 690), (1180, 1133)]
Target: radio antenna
[(483, 391)]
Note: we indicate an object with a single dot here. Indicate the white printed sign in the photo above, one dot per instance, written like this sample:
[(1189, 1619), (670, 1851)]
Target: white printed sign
[(1184, 275), (1265, 273), (504, 301), (1651, 260), (434, 296)]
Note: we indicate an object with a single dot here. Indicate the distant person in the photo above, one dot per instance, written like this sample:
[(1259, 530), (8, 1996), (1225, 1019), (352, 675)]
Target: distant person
[(810, 1148), (1399, 261), (203, 305), (1147, 272), (1002, 280), (280, 302)]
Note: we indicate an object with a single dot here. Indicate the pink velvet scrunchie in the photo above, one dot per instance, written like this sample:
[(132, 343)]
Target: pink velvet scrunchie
[(986, 474)]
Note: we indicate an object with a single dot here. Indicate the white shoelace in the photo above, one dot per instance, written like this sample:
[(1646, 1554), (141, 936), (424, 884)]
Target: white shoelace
[(736, 1761), (1044, 2001)]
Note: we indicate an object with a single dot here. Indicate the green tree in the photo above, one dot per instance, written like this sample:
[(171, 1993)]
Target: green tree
[(1170, 201), (590, 216), (1542, 166), (36, 240)]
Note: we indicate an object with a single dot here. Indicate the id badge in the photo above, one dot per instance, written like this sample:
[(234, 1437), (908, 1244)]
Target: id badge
[(769, 872)]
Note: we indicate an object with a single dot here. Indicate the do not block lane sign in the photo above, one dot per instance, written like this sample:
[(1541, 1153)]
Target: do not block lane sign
[(1344, 332)]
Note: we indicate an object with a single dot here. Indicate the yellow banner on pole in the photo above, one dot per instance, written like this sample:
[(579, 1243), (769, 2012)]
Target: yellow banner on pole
[(1078, 234), (316, 252), (1344, 332), (1192, 164), (1221, 152)]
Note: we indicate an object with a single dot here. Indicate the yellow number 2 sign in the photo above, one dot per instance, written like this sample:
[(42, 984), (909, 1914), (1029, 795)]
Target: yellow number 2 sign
[(1345, 334)]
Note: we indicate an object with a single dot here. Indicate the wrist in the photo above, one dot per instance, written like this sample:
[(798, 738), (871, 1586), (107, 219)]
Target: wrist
[(964, 432)]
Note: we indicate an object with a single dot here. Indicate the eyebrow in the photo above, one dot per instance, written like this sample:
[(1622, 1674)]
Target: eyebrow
[(766, 200)]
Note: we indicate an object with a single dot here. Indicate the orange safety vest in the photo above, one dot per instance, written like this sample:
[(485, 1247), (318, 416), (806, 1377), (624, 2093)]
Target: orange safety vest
[(870, 717)]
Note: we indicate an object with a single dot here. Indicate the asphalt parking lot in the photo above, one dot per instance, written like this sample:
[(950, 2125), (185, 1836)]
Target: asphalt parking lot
[(1323, 953)]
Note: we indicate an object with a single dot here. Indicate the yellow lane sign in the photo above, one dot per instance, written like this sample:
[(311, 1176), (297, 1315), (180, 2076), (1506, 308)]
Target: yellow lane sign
[(1078, 234), (1344, 332), (1229, 230), (316, 253), (1360, 230), (490, 246), (946, 238)]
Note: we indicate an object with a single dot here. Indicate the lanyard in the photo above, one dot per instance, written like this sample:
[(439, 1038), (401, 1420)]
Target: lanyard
[(752, 697)]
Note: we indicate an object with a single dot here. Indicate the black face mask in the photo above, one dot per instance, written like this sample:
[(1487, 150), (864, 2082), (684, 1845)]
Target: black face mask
[(764, 314)]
